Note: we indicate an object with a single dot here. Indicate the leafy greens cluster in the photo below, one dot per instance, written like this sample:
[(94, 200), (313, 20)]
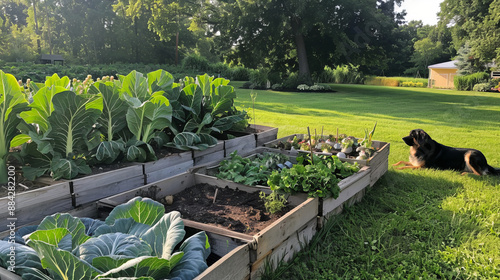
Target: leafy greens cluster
[(65, 127), (136, 241), (250, 170), (318, 179)]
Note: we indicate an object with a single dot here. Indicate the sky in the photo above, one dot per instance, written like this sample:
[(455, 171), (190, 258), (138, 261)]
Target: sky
[(424, 10)]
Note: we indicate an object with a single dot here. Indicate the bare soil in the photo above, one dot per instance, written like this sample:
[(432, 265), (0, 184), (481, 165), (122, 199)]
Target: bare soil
[(235, 210)]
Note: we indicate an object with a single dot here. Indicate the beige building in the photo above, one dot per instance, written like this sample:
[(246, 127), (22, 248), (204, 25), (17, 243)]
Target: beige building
[(441, 75)]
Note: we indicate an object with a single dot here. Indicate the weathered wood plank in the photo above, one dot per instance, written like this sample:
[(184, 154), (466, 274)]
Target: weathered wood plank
[(348, 188), (210, 154), (233, 266), (161, 174), (7, 275), (287, 225), (378, 172), (264, 134), (168, 161), (241, 144), (36, 204), (286, 250), (155, 190), (95, 187)]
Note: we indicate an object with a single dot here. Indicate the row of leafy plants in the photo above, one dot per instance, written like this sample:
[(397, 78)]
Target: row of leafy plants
[(316, 175), (191, 65), (65, 126), (127, 245), (467, 82)]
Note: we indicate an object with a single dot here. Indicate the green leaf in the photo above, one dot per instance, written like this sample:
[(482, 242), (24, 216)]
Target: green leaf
[(142, 210), (196, 250), (145, 119), (154, 267), (160, 80), (12, 102), (108, 151), (113, 118), (135, 85), (68, 168), (165, 234), (113, 245), (123, 225), (19, 139), (62, 263), (59, 237), (26, 259), (71, 123), (42, 107), (74, 225)]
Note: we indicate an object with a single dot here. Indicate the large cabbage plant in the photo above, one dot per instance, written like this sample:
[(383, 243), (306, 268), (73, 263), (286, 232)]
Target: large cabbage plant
[(136, 241)]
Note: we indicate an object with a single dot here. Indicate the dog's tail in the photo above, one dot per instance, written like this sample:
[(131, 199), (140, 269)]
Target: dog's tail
[(494, 171)]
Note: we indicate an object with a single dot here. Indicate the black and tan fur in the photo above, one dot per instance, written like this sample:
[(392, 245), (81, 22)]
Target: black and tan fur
[(427, 153)]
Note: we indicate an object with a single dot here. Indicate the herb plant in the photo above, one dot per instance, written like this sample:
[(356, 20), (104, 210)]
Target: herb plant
[(273, 202), (127, 245)]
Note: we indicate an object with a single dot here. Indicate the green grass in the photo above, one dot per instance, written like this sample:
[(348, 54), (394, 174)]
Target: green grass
[(413, 224)]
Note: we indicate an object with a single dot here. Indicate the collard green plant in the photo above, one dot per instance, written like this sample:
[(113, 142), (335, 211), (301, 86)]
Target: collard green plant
[(12, 102), (149, 111), (66, 136), (137, 241), (202, 108)]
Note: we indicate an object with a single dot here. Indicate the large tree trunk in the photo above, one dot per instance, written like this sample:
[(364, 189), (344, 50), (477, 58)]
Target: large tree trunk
[(301, 47)]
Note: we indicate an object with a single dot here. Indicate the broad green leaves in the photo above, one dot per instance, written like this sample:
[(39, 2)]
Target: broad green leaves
[(12, 102), (137, 242)]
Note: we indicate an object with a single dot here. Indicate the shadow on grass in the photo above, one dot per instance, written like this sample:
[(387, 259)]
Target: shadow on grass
[(419, 106)]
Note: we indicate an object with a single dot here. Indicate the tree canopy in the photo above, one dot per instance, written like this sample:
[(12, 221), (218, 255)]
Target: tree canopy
[(283, 36)]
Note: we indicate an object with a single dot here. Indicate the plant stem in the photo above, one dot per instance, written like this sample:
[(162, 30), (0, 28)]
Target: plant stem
[(310, 145), (3, 171)]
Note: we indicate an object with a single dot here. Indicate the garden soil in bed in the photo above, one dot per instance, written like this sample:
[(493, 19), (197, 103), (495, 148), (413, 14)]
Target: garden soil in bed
[(235, 210)]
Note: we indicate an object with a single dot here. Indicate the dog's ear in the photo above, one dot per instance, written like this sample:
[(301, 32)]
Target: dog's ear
[(421, 137)]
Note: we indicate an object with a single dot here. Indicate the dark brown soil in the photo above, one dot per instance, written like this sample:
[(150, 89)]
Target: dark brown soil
[(235, 210)]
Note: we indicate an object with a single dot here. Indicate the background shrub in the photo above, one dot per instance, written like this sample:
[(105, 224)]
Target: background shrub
[(196, 62), (468, 82), (258, 78), (482, 87), (342, 74), (240, 73)]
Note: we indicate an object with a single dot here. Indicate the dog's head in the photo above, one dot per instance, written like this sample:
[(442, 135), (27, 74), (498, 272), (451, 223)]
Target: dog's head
[(417, 137)]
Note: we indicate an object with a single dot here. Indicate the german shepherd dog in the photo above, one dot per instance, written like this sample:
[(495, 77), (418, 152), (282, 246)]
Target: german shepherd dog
[(427, 153)]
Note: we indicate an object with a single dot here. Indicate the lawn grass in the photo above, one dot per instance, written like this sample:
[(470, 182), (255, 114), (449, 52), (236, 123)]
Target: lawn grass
[(413, 224)]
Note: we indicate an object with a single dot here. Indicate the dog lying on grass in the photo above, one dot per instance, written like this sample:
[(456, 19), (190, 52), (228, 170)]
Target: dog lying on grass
[(427, 153)]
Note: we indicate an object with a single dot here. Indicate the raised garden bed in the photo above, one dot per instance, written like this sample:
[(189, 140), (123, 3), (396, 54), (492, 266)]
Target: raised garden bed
[(300, 223), (51, 196), (381, 150)]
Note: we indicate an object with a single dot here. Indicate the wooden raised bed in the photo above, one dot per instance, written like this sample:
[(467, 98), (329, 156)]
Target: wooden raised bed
[(263, 134), (379, 156), (270, 243)]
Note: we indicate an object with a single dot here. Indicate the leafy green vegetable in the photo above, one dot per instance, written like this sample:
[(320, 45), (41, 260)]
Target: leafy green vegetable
[(12, 102), (137, 241), (201, 110), (317, 180), (250, 171)]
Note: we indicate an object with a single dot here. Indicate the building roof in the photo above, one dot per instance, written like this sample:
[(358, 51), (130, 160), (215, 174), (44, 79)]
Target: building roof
[(445, 65)]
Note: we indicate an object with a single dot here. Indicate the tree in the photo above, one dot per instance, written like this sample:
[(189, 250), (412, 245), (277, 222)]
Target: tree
[(426, 52), (476, 22), (467, 64)]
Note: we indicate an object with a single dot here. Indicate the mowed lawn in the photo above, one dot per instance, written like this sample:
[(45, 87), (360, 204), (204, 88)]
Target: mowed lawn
[(413, 224)]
